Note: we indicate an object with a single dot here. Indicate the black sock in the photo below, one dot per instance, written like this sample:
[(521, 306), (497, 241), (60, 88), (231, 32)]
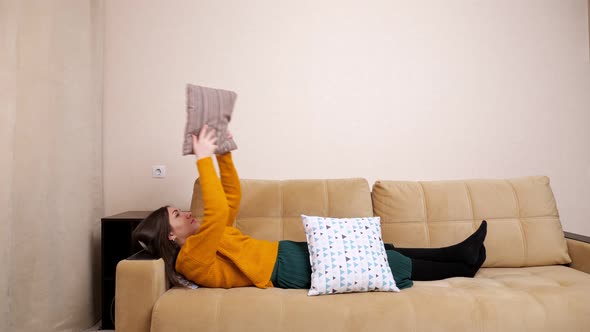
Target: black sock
[(466, 251), (480, 260), (425, 270)]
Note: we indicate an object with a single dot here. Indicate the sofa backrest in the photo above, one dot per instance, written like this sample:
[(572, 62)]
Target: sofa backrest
[(523, 222), (271, 209)]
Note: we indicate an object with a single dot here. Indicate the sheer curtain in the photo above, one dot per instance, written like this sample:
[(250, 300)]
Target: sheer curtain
[(51, 163)]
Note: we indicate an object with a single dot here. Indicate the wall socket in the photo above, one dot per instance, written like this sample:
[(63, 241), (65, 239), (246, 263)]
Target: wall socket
[(159, 171)]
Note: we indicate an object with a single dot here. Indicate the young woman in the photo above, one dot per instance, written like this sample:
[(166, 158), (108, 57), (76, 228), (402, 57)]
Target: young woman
[(212, 253)]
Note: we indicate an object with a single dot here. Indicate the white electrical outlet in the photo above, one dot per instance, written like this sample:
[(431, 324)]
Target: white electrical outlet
[(159, 171)]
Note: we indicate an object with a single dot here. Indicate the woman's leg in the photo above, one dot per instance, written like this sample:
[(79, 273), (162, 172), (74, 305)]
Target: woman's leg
[(292, 268), (467, 251), (424, 270)]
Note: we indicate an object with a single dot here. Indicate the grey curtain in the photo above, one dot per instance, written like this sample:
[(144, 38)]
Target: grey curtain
[(51, 163)]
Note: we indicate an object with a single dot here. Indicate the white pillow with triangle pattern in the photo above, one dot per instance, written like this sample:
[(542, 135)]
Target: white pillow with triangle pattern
[(347, 255)]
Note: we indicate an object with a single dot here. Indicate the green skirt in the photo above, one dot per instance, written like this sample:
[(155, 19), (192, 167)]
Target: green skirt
[(293, 270)]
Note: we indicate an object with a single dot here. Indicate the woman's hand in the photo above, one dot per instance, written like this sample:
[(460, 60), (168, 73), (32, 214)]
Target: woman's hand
[(204, 146), (229, 136)]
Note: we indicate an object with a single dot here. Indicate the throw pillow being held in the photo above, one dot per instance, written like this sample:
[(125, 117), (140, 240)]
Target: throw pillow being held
[(213, 107)]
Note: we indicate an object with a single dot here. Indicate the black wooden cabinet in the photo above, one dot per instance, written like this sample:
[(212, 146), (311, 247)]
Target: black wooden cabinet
[(116, 245)]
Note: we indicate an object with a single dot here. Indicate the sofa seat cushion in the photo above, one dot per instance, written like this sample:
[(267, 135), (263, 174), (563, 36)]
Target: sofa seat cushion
[(549, 298)]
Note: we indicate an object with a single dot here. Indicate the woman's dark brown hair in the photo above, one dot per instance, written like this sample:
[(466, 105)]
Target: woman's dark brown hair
[(153, 233)]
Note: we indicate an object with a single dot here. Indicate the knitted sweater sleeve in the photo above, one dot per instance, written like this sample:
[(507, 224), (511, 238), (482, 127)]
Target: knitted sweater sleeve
[(206, 241), (231, 185)]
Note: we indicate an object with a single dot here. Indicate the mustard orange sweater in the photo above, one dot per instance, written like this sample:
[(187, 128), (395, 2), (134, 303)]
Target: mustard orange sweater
[(219, 255)]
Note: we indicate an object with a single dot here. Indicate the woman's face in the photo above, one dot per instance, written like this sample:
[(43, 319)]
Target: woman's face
[(183, 225)]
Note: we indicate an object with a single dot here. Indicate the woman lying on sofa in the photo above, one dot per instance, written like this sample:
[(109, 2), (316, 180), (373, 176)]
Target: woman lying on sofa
[(212, 253)]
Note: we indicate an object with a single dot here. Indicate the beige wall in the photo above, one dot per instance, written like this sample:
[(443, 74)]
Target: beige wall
[(331, 89)]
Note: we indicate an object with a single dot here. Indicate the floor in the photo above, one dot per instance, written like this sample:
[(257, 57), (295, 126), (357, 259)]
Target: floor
[(97, 328)]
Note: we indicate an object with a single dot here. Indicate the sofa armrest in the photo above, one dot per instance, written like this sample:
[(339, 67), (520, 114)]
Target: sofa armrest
[(141, 280), (578, 247)]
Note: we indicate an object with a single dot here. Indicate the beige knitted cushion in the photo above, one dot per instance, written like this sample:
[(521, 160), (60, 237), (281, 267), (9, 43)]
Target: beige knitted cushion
[(213, 107), (523, 222)]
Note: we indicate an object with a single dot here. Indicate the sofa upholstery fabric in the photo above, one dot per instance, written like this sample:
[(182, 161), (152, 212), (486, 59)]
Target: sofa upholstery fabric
[(550, 298), (271, 209), (579, 250), (523, 223)]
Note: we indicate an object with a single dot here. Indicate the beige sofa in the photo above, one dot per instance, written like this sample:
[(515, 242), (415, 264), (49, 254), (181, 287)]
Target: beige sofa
[(525, 284)]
